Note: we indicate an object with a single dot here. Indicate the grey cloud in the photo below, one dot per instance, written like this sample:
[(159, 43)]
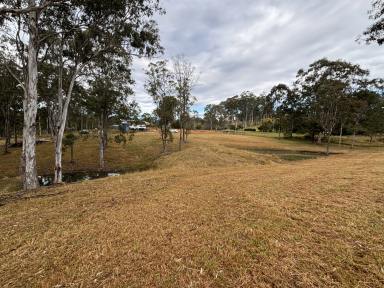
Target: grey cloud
[(254, 44)]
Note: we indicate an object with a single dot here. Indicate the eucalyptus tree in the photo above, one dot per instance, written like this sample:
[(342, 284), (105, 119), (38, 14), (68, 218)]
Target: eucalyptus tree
[(247, 105), (232, 108), (373, 123), (215, 115), (166, 114), (110, 86), (210, 115), (160, 85), (185, 78), (285, 106), (365, 108), (325, 86), (21, 31)]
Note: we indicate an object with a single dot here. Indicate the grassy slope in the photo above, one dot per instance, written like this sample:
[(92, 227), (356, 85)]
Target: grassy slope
[(226, 222)]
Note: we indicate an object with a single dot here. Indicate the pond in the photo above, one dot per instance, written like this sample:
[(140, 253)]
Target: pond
[(288, 155), (47, 180)]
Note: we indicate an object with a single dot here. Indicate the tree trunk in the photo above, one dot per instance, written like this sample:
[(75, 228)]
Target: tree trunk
[(101, 143), (28, 161), (181, 136), (328, 143), (39, 126), (61, 120), (246, 118), (15, 130), (164, 137), (58, 178), (7, 128), (353, 139), (341, 135), (319, 139)]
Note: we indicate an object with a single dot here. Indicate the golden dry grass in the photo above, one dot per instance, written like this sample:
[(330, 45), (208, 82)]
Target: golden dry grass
[(225, 222)]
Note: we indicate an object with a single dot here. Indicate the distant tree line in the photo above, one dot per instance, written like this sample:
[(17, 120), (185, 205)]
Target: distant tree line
[(328, 98)]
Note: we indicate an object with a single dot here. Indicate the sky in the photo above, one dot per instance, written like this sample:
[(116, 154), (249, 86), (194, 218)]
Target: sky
[(252, 45)]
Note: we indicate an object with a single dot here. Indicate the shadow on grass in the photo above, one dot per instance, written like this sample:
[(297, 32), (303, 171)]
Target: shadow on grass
[(288, 155), (12, 198)]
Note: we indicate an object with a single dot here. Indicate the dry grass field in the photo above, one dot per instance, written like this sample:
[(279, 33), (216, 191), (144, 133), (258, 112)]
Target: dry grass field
[(227, 211)]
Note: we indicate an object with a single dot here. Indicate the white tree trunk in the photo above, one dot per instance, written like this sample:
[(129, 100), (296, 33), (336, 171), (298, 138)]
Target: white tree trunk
[(58, 157), (60, 125), (341, 134), (30, 109), (101, 143)]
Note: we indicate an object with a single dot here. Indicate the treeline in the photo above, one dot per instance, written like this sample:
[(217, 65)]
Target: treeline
[(327, 98)]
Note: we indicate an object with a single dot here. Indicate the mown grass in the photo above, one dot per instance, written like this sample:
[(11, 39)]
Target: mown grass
[(212, 215)]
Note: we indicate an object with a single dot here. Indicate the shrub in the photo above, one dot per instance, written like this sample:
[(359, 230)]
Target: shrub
[(250, 129), (84, 132), (119, 139), (267, 125)]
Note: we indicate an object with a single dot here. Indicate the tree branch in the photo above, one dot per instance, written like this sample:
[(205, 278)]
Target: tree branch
[(18, 11), (16, 78)]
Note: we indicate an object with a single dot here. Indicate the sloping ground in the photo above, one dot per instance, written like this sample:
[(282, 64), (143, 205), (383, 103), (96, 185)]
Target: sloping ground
[(212, 155), (224, 223)]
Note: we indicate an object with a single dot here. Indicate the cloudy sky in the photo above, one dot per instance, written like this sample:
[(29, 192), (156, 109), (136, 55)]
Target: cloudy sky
[(253, 44)]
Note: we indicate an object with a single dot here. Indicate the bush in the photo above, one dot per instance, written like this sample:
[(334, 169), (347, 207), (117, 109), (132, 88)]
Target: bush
[(250, 129), (267, 125), (84, 132), (233, 127), (119, 139)]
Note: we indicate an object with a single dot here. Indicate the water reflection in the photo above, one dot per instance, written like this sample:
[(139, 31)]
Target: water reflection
[(47, 180)]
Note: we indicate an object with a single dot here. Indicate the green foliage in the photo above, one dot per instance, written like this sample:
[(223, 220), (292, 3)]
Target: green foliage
[(121, 139), (267, 125), (149, 118), (166, 112), (374, 120), (69, 140), (375, 32)]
